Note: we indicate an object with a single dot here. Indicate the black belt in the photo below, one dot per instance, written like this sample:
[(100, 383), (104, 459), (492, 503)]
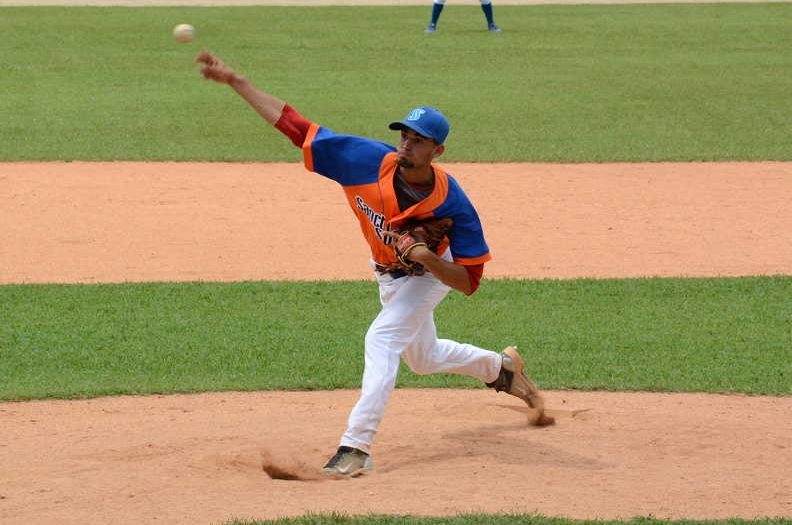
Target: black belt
[(395, 273)]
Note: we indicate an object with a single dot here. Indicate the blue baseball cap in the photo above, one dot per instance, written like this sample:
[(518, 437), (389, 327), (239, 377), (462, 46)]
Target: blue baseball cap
[(425, 121)]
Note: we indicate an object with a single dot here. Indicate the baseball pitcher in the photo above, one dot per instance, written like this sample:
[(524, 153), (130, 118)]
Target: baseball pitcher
[(425, 238)]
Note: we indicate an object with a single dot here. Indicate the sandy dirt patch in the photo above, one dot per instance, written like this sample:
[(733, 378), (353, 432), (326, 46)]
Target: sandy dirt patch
[(199, 459), (109, 222)]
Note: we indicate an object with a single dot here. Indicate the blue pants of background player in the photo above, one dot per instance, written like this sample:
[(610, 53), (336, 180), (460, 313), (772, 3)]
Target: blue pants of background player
[(486, 6)]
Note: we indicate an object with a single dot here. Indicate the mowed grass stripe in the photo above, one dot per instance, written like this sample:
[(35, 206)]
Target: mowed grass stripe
[(561, 83), (708, 335)]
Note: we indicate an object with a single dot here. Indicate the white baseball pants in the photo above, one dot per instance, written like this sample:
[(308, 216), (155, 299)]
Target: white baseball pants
[(405, 329)]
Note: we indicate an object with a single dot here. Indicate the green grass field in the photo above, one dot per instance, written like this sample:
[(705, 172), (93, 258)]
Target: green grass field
[(702, 335), (561, 83)]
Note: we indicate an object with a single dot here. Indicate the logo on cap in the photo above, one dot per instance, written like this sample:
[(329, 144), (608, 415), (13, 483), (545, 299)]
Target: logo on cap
[(416, 114)]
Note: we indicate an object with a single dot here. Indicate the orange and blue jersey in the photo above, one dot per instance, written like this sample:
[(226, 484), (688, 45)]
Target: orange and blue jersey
[(366, 168)]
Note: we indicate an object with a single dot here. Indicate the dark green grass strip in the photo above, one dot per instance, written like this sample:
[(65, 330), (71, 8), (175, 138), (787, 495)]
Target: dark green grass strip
[(561, 83), (710, 335)]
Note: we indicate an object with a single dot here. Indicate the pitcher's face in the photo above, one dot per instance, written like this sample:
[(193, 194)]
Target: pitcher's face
[(416, 151)]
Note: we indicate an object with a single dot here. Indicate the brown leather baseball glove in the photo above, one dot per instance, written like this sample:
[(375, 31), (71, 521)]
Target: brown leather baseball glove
[(429, 233)]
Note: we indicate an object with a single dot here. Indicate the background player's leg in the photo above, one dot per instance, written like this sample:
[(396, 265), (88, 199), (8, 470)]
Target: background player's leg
[(486, 6), (437, 8)]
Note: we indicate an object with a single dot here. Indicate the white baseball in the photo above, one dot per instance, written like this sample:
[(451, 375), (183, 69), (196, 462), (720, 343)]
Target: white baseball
[(183, 33)]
